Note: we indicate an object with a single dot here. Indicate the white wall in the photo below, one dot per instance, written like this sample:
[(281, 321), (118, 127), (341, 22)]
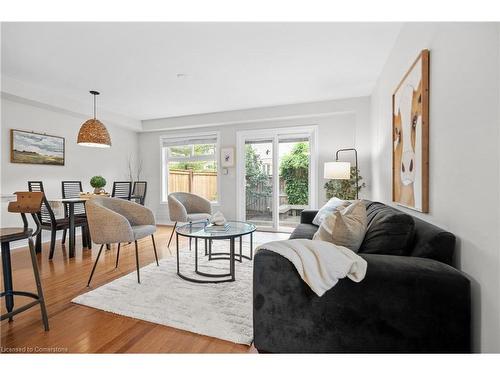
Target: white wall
[(81, 163), (342, 123), (464, 158)]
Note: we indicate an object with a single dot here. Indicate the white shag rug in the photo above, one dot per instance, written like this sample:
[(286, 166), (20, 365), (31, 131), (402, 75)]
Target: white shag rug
[(221, 310)]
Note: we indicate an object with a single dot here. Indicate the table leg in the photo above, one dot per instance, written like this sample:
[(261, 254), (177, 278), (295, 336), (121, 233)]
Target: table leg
[(231, 259), (71, 230), (7, 277), (251, 246), (177, 243), (195, 254), (241, 249), (89, 239)]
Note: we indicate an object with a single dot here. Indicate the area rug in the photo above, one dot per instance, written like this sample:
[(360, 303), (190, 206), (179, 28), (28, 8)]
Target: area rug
[(220, 310)]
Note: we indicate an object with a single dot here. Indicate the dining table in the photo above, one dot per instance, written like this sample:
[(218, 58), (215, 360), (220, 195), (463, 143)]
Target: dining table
[(69, 203)]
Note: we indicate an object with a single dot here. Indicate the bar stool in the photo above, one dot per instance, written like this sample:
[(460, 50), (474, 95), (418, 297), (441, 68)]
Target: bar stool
[(27, 202)]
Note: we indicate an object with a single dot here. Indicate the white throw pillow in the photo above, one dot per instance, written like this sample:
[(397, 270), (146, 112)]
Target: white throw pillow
[(346, 226), (328, 208)]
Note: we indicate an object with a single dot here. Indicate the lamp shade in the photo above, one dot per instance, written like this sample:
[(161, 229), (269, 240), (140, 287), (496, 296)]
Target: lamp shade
[(337, 170), (93, 133)]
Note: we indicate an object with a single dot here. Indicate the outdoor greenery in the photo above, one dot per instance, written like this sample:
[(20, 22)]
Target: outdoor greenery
[(191, 150), (98, 182), (257, 181), (188, 151), (196, 166), (294, 169), (344, 189)]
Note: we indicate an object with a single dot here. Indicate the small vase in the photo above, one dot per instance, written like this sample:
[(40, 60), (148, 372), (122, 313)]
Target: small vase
[(97, 190)]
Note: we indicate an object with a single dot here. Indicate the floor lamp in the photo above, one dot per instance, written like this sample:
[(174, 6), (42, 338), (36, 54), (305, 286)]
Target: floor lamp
[(340, 170)]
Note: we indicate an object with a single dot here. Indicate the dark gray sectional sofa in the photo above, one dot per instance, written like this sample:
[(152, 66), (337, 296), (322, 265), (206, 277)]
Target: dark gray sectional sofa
[(411, 301)]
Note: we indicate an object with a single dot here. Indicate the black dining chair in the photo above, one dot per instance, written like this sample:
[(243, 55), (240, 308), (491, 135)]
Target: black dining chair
[(49, 222), (122, 189), (139, 192), (72, 189)]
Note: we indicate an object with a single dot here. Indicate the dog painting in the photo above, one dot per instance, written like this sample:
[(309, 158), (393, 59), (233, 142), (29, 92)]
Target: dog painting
[(410, 137)]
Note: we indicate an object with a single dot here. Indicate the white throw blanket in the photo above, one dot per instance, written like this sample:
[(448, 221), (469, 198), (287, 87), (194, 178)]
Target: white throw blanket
[(320, 264)]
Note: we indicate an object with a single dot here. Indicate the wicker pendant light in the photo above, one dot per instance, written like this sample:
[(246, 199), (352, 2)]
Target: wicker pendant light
[(93, 133)]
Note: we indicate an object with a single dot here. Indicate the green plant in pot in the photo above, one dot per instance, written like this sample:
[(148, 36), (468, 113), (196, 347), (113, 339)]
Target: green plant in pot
[(344, 189), (98, 182)]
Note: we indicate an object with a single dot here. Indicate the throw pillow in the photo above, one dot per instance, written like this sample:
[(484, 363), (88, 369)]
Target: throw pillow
[(346, 226), (389, 230), (328, 208)]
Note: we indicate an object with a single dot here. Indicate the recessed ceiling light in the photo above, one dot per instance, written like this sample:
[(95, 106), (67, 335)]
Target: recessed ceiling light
[(181, 75)]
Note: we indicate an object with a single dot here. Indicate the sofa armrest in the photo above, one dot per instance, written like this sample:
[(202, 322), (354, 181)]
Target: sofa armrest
[(307, 216), (404, 304)]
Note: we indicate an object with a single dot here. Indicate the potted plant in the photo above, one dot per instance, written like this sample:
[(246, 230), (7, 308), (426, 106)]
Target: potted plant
[(344, 189), (98, 182)]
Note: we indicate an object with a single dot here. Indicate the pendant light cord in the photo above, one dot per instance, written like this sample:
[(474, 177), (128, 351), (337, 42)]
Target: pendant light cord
[(94, 105)]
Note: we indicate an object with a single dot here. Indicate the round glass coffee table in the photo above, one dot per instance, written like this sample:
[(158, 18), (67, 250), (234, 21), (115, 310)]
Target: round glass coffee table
[(196, 231)]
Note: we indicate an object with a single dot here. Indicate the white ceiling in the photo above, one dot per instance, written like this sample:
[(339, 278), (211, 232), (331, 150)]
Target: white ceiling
[(228, 65)]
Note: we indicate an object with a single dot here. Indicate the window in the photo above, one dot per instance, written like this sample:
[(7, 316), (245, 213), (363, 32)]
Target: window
[(190, 165)]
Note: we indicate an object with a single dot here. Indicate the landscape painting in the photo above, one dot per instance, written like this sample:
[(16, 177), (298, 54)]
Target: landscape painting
[(410, 137), (33, 148)]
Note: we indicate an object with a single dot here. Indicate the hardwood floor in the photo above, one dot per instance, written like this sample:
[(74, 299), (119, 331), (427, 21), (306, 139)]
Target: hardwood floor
[(80, 329)]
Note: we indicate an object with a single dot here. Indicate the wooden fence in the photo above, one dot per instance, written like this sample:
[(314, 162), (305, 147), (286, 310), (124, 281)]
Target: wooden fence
[(187, 180)]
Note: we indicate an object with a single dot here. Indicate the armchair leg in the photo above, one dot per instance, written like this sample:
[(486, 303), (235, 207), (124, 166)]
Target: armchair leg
[(154, 248), (95, 265), (137, 262), (172, 234), (117, 255)]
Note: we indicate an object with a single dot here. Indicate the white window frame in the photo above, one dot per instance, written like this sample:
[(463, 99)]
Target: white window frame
[(165, 159), (275, 134)]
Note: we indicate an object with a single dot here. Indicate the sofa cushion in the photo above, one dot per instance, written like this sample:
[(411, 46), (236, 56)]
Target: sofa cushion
[(389, 231), (304, 231)]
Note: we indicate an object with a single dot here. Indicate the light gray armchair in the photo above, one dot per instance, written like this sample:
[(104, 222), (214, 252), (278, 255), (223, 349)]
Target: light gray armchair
[(114, 220), (186, 208)]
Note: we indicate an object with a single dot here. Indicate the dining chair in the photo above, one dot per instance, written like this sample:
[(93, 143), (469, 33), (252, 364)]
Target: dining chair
[(121, 189), (50, 223), (113, 220), (139, 191), (72, 189), (26, 203), (187, 207)]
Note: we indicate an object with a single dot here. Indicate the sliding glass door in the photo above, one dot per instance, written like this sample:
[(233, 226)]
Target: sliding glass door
[(276, 176), (259, 182), (293, 177)]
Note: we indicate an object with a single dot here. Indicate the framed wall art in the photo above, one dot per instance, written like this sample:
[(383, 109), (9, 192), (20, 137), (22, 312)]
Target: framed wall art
[(34, 148), (410, 136), (227, 157)]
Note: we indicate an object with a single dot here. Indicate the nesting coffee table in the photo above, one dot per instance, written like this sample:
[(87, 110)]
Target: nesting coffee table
[(196, 231)]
